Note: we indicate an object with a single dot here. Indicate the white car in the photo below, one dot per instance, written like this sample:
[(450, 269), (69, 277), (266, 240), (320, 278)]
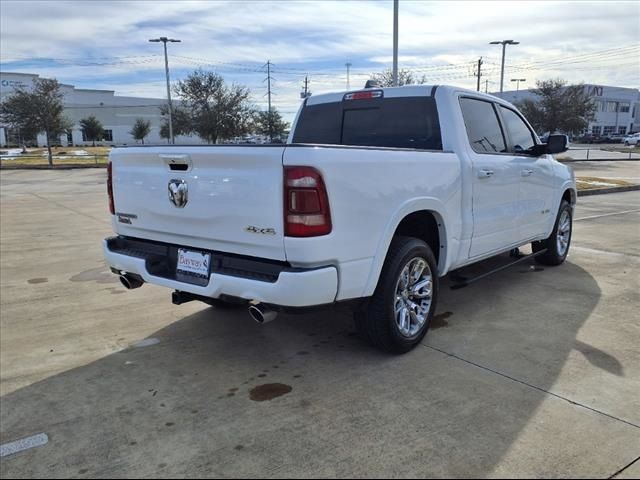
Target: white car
[(376, 195), (632, 139)]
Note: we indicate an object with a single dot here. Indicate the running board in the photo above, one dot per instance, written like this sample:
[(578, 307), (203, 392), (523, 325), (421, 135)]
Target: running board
[(519, 259)]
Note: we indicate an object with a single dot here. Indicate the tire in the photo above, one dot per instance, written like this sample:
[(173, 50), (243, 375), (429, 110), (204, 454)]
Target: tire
[(382, 322), (558, 243)]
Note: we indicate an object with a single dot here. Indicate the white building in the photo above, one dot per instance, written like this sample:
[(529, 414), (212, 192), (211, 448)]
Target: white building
[(116, 113), (617, 108)]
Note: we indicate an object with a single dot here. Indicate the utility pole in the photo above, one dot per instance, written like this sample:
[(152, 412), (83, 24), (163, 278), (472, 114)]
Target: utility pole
[(164, 40), (395, 43), (348, 65), (268, 65), (305, 92), (486, 86), (504, 44), (479, 73)]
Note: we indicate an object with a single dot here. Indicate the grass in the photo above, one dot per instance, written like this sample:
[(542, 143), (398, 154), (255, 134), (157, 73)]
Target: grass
[(65, 160), (622, 149), (595, 183), (70, 150), (61, 156)]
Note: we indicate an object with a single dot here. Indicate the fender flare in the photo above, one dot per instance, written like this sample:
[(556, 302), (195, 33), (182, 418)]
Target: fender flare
[(566, 185), (571, 186), (433, 205)]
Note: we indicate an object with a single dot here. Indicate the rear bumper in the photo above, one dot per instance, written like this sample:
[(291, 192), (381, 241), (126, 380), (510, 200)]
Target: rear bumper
[(289, 287)]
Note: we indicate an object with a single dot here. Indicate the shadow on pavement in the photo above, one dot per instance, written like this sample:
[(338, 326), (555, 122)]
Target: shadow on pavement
[(183, 407)]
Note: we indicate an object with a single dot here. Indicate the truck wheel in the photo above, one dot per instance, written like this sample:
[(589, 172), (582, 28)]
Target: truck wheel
[(398, 315), (558, 243)]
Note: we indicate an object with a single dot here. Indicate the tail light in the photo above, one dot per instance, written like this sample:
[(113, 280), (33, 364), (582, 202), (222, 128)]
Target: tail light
[(306, 205), (112, 207)]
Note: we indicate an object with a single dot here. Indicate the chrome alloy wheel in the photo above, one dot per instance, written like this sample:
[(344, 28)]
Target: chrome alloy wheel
[(412, 301), (564, 233)]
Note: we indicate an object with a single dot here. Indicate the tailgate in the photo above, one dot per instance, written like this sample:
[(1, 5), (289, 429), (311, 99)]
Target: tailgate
[(224, 198)]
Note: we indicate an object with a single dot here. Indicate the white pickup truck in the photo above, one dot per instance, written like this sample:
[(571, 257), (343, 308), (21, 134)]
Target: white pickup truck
[(376, 194)]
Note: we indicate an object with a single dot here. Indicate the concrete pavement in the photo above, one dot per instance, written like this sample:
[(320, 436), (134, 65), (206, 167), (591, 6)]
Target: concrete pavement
[(532, 372)]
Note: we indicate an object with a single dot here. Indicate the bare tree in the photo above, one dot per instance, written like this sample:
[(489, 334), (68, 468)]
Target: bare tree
[(405, 77)]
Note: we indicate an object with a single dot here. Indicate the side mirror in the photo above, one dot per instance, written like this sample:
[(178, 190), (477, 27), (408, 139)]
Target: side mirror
[(557, 144)]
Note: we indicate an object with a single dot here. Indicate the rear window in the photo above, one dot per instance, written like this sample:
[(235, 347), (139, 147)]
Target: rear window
[(406, 122)]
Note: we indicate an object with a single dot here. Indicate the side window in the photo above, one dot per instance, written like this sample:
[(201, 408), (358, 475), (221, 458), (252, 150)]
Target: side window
[(483, 128), (521, 137)]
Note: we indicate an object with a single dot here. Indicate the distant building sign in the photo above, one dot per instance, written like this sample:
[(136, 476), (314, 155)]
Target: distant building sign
[(13, 83), (595, 91)]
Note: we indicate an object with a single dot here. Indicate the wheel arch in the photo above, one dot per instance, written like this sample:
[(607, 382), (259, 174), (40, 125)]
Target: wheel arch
[(426, 223), (569, 195)]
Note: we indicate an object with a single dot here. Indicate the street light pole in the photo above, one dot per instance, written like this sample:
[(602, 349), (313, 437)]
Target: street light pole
[(395, 43), (518, 80), (348, 65), (504, 44), (164, 40)]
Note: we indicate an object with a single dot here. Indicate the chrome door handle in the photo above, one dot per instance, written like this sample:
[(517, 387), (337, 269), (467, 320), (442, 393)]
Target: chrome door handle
[(526, 173), (485, 173)]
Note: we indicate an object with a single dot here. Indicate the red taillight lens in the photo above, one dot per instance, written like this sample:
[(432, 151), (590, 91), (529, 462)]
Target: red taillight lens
[(363, 95), (112, 207), (306, 204)]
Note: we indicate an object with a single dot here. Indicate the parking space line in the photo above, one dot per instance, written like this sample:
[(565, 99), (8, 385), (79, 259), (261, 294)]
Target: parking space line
[(607, 214), (624, 468), (23, 444), (578, 404), (598, 251)]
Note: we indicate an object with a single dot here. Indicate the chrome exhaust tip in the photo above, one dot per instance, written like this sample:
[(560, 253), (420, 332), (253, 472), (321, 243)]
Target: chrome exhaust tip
[(262, 314), (130, 281)]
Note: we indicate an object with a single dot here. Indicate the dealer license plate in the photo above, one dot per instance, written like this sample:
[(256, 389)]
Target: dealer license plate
[(193, 263)]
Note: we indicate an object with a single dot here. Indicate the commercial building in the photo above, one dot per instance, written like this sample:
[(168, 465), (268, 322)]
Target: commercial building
[(617, 108), (116, 113)]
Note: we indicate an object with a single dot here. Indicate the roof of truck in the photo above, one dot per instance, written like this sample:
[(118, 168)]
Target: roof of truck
[(390, 92)]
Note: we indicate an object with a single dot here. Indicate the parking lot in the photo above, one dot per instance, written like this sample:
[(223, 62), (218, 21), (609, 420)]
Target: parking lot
[(530, 372)]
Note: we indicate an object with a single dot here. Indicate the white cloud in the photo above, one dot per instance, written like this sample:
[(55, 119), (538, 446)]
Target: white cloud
[(321, 36)]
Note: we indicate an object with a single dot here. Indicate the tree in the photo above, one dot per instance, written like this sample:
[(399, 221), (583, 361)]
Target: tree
[(559, 108), (181, 122), (216, 111), (405, 77), (270, 124), (39, 110), (92, 128), (141, 129)]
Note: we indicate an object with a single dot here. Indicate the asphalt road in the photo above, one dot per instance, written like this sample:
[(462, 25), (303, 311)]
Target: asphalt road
[(531, 372)]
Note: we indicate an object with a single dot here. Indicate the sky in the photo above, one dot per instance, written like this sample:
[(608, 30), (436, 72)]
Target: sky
[(104, 44)]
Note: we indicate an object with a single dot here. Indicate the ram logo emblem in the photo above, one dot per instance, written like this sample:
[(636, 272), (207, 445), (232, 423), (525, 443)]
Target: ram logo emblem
[(178, 192)]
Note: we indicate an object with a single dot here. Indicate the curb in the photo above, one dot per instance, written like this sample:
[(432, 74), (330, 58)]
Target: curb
[(571, 160), (602, 191), (70, 166)]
